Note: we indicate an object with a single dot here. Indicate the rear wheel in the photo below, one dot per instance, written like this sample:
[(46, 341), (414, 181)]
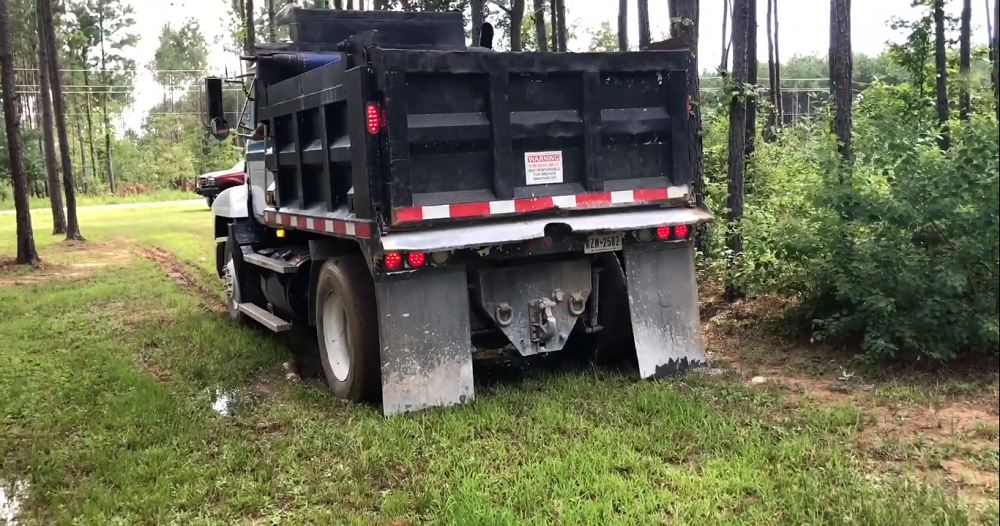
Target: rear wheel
[(347, 328), (231, 277)]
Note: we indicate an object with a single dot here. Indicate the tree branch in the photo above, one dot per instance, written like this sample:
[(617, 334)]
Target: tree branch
[(502, 7)]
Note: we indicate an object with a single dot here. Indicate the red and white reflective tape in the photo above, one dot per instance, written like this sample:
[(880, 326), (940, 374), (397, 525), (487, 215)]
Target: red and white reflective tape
[(341, 227), (534, 204)]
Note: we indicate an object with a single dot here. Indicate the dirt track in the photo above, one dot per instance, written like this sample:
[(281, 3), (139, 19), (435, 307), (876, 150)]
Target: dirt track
[(182, 274)]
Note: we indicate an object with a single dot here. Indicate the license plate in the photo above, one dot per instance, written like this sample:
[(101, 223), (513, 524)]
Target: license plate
[(603, 243)]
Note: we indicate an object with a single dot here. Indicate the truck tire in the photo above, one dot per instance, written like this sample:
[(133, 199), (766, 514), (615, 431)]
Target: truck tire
[(210, 201), (347, 329), (615, 342), (231, 276)]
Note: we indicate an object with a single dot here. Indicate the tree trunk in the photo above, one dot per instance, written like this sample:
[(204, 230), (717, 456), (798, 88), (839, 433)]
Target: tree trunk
[(690, 10), (737, 136), (941, 65), (726, 37), (516, 22), (26, 252), (554, 17), (90, 123), (561, 22), (72, 225), (49, 142), (108, 159), (248, 46), (777, 68), (271, 30), (83, 155), (478, 17), (109, 162), (774, 92), (751, 129), (622, 25), (996, 55), (965, 59), (644, 34), (841, 73), (540, 35)]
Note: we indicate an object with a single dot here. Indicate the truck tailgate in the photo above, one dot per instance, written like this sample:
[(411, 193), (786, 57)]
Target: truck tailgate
[(476, 133)]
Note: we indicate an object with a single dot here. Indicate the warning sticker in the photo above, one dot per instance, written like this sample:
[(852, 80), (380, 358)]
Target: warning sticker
[(543, 167)]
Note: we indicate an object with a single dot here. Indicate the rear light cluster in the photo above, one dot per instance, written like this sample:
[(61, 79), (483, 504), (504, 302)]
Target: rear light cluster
[(375, 117), (395, 260), (371, 114), (666, 232)]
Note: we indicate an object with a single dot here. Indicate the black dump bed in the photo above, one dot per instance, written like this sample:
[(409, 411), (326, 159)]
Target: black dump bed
[(408, 133)]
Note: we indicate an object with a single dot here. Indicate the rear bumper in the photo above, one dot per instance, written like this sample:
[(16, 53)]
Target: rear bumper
[(459, 237)]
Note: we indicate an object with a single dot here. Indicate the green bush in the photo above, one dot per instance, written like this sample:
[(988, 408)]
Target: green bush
[(903, 250)]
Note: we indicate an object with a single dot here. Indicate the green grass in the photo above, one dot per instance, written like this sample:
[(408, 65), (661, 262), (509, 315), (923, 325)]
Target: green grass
[(183, 229), (91, 200), (107, 381)]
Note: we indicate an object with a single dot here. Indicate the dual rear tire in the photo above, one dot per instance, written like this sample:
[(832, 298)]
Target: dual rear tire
[(346, 323), (347, 329)]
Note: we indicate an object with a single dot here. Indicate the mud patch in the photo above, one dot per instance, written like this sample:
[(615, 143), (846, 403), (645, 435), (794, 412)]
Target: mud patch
[(65, 261), (183, 275), (937, 424)]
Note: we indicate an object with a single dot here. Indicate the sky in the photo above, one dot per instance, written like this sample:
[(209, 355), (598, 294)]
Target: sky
[(803, 25)]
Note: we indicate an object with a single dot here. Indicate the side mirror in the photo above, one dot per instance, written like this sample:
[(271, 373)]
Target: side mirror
[(216, 114), (220, 128)]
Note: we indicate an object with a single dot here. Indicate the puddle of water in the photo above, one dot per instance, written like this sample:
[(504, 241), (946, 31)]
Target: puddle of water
[(12, 496), (228, 403), (223, 403)]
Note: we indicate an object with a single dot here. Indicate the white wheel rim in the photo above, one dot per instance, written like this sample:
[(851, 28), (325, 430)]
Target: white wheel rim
[(335, 337)]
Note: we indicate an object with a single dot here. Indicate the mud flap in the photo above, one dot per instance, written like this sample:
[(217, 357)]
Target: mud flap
[(426, 343), (663, 303)]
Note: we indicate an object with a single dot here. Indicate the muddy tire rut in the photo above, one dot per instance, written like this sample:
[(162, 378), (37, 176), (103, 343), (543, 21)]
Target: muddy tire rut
[(183, 275)]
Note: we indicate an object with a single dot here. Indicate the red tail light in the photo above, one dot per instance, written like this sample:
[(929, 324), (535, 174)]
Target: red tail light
[(416, 259), (681, 231), (371, 114), (393, 260), (663, 232)]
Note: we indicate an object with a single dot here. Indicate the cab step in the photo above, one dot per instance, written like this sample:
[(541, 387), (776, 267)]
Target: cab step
[(264, 317), (277, 265)]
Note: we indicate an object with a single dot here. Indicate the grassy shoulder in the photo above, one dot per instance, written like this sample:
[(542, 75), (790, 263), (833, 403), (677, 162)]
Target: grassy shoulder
[(127, 401), (96, 200)]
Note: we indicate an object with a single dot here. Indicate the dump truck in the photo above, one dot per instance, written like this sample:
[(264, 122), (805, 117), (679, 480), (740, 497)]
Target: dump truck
[(412, 199)]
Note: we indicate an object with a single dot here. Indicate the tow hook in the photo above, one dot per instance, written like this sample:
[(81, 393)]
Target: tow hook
[(543, 321)]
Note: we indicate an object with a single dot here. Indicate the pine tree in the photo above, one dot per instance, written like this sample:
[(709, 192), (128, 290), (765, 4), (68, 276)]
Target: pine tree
[(26, 252), (47, 20)]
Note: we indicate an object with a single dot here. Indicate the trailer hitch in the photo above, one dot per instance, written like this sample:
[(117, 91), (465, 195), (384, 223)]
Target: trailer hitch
[(543, 321)]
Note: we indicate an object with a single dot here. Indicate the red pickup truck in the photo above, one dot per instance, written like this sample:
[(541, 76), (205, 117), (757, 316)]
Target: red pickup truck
[(211, 184)]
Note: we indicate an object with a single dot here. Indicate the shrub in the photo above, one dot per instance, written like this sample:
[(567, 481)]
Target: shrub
[(904, 250)]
